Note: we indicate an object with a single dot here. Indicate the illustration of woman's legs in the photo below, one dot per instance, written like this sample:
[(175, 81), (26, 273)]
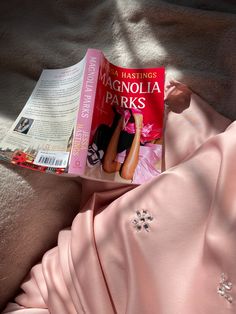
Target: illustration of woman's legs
[(131, 160), (110, 164)]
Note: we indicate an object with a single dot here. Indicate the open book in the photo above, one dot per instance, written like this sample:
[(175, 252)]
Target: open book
[(92, 119)]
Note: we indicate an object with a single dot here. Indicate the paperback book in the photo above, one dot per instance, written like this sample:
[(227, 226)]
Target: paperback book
[(93, 119)]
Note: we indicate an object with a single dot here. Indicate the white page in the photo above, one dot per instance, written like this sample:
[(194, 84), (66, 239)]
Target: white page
[(46, 122)]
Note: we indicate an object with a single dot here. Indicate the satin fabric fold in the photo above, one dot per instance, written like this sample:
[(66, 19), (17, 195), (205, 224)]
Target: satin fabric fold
[(105, 264)]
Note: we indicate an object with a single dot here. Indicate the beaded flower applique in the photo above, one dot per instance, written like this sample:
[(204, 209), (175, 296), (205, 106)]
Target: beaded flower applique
[(142, 220), (225, 287)]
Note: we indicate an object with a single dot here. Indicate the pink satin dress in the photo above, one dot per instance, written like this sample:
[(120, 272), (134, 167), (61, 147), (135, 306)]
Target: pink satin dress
[(165, 247)]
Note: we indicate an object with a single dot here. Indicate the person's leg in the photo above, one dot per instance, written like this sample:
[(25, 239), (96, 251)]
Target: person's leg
[(110, 164), (131, 160)]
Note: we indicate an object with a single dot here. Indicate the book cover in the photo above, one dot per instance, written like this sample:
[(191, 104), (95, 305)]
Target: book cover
[(92, 119), (82, 127), (126, 134)]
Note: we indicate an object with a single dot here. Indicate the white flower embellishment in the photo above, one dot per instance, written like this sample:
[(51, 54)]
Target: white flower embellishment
[(225, 287), (142, 220)]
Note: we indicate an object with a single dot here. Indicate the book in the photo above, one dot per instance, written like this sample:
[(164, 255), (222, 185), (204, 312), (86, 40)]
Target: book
[(93, 119)]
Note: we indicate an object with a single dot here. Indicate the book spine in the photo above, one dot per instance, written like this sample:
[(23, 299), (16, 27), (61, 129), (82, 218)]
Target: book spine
[(80, 142)]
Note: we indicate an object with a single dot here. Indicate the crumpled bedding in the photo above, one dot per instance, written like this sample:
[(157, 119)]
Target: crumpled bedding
[(195, 40)]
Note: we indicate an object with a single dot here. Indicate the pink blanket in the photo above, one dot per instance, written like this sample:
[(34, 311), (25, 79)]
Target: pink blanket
[(165, 247)]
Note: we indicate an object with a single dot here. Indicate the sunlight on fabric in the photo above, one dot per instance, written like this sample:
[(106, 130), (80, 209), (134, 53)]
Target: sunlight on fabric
[(131, 34), (173, 73)]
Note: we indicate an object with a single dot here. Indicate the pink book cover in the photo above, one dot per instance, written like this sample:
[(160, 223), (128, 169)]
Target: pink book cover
[(118, 131), (125, 142), (85, 113)]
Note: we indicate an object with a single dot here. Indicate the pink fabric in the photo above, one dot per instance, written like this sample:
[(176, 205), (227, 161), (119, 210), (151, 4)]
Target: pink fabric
[(104, 265)]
